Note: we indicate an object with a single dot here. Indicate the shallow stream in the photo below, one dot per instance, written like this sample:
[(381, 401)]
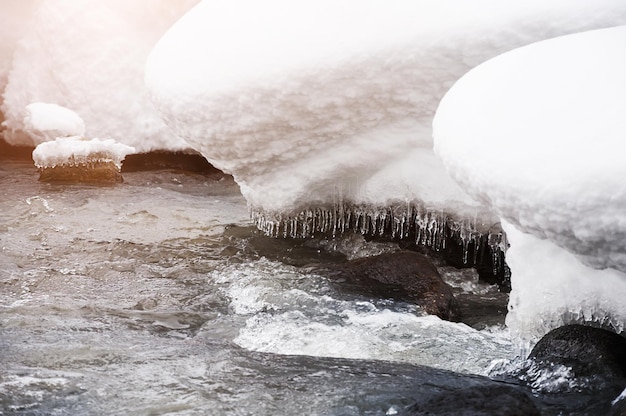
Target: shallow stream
[(157, 296)]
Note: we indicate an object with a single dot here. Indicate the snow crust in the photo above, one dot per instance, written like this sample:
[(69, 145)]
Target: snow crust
[(89, 56), (45, 122), (322, 102), (76, 150), (538, 134)]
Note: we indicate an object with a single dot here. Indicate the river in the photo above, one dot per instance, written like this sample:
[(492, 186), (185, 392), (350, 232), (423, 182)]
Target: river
[(158, 296)]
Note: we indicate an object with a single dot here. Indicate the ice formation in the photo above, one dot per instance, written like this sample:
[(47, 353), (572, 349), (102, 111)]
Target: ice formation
[(537, 133), (45, 122), (322, 111), (78, 159), (88, 56)]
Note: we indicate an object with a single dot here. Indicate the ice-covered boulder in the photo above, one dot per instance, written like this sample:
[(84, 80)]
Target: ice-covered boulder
[(329, 104), (89, 56), (538, 134)]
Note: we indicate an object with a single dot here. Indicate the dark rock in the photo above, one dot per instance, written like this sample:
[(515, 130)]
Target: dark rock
[(94, 173), (9, 152), (589, 351), (407, 274), (481, 400), (160, 160)]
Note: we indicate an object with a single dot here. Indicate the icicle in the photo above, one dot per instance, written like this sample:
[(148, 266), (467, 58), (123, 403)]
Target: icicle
[(408, 220)]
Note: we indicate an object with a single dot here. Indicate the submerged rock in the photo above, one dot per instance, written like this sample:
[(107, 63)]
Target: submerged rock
[(405, 274)]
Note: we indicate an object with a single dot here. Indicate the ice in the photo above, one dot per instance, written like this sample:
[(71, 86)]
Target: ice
[(537, 133), (435, 229), (551, 287), (88, 56), (622, 396), (45, 122), (320, 109)]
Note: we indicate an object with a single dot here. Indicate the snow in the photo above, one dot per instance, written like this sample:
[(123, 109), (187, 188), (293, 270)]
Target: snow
[(76, 150), (324, 102), (538, 134), (310, 104), (88, 56), (551, 288), (13, 21), (45, 122)]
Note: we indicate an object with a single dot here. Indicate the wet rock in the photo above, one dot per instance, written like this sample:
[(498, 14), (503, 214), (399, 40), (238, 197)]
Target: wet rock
[(406, 274), (588, 351), (93, 172), (480, 400)]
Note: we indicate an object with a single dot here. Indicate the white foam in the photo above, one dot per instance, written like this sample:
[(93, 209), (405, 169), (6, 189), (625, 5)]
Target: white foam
[(379, 333), (287, 311)]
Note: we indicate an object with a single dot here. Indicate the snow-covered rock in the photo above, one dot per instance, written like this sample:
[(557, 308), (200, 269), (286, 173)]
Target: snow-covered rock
[(79, 150), (328, 102), (89, 56), (78, 159), (538, 134)]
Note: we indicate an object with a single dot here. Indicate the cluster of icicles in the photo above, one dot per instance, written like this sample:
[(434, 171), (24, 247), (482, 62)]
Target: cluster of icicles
[(410, 222)]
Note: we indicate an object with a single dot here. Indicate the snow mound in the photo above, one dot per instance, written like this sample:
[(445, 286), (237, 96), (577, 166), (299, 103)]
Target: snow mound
[(45, 122), (538, 134), (317, 104)]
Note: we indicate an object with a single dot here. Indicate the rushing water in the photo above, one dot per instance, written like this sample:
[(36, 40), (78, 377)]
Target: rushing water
[(157, 296)]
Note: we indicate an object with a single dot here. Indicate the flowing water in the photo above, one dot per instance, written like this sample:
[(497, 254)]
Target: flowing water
[(157, 296)]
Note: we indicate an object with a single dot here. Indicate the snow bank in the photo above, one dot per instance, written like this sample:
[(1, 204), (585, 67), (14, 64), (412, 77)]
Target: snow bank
[(538, 134), (330, 102), (88, 56), (45, 122)]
